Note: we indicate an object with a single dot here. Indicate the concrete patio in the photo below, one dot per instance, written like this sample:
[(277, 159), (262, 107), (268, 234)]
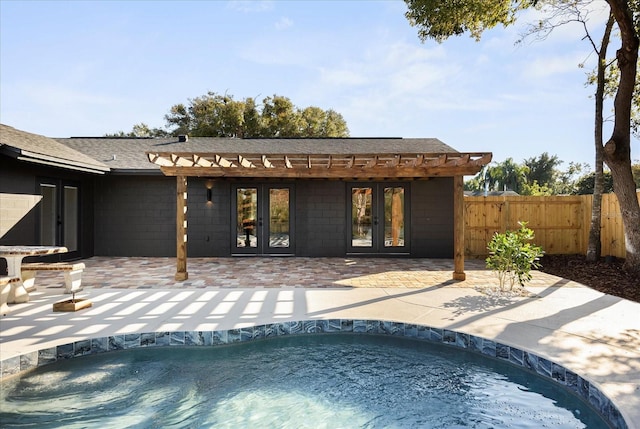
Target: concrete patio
[(595, 335)]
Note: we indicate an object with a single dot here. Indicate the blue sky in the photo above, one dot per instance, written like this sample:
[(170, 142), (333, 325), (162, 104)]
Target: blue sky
[(86, 68)]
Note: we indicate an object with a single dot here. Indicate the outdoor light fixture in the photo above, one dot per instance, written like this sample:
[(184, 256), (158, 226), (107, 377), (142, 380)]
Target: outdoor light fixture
[(209, 185)]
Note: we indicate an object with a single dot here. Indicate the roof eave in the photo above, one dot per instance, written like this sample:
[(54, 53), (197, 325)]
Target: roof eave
[(39, 158)]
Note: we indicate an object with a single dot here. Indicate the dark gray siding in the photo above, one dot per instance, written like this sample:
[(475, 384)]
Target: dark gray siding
[(321, 218), (432, 218), (208, 224), (135, 216)]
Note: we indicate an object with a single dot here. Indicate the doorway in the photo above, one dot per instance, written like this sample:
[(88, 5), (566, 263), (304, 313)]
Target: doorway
[(263, 219), (59, 214), (378, 218)]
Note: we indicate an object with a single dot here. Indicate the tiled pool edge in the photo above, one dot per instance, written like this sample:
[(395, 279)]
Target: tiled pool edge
[(557, 373)]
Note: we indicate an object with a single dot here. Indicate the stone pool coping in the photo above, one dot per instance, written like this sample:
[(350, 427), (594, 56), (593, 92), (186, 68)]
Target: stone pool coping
[(580, 386)]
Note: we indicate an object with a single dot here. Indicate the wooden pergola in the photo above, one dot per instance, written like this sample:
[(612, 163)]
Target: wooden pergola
[(319, 166)]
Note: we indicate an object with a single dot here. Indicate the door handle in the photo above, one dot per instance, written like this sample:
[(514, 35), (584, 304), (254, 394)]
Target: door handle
[(259, 221), (375, 220)]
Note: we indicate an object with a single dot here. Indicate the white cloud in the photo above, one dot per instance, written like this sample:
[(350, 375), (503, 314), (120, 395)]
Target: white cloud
[(548, 66), (283, 23)]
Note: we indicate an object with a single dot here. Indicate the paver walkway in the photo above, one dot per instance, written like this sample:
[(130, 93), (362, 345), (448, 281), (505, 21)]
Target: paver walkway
[(146, 273)]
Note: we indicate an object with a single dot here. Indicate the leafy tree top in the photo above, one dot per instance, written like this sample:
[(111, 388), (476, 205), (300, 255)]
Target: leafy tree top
[(216, 115), (441, 19)]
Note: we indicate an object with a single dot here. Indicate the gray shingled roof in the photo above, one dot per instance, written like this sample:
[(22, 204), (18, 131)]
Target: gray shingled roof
[(43, 150), (129, 154)]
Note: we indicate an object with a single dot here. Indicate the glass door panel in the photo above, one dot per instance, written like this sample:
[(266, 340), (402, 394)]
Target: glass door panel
[(394, 217), (361, 221), (279, 217), (246, 217)]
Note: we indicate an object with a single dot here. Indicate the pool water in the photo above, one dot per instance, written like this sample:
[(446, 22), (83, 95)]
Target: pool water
[(316, 381)]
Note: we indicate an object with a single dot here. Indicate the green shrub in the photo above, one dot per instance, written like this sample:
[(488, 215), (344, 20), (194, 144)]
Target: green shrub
[(512, 256)]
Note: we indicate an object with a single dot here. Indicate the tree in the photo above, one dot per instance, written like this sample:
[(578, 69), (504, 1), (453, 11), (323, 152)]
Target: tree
[(594, 245), (542, 169), (440, 19), (215, 115), (509, 176), (280, 118), (585, 186), (565, 183), (617, 151), (140, 130), (210, 115)]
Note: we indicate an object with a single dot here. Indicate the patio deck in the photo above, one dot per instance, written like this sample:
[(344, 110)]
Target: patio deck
[(594, 335)]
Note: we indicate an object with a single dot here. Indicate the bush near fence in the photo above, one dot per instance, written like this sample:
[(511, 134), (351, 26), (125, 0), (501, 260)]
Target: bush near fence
[(561, 223)]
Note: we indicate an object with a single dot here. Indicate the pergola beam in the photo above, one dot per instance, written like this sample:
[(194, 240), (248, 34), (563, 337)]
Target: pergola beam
[(181, 229), (324, 166), (324, 173), (458, 228)]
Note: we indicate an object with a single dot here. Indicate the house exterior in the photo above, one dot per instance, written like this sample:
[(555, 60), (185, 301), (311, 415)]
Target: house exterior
[(235, 197)]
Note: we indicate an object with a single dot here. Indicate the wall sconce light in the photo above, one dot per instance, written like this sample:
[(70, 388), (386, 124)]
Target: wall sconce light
[(209, 195)]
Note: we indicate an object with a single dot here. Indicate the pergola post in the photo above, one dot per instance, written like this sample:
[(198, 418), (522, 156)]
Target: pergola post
[(458, 228), (181, 228)]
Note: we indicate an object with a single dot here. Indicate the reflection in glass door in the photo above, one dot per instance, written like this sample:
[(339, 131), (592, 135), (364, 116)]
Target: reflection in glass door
[(378, 218), (263, 219), (246, 217), (361, 225), (394, 216)]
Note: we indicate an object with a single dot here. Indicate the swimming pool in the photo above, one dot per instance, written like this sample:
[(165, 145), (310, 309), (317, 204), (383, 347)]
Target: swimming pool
[(295, 376)]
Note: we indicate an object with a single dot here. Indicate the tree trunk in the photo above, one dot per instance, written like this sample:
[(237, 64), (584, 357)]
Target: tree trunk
[(617, 151), (595, 245)]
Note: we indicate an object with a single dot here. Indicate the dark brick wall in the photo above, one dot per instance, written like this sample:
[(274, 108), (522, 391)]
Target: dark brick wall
[(208, 224), (432, 218), (135, 216), (321, 218)]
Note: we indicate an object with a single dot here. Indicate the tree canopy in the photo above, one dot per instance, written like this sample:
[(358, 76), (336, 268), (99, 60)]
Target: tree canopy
[(216, 115), (441, 19), (541, 175)]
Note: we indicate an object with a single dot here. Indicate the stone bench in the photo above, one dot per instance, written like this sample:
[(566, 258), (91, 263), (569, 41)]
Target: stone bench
[(72, 274), (5, 288)]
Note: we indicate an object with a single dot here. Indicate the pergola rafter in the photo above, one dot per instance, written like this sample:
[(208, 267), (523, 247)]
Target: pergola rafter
[(321, 166)]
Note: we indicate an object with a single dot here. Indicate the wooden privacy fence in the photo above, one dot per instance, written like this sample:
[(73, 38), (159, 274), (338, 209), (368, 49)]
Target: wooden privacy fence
[(560, 223)]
